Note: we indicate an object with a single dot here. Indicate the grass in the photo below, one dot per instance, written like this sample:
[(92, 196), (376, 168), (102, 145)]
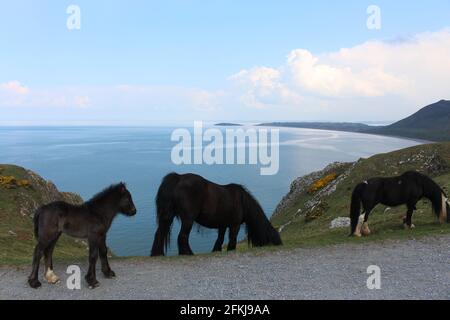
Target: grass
[(17, 242), (383, 225), (16, 228)]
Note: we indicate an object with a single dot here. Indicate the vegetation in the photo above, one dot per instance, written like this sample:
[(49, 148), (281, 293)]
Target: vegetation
[(21, 192), (429, 123), (322, 183), (305, 217)]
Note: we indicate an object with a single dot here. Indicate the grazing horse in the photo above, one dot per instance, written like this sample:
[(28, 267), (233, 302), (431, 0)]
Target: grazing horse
[(191, 198), (90, 221), (407, 188)]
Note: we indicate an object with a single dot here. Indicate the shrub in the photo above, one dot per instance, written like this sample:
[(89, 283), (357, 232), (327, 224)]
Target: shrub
[(10, 182), (24, 183), (322, 183)]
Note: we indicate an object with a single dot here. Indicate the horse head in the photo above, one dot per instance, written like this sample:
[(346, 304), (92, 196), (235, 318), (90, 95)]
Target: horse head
[(126, 204)]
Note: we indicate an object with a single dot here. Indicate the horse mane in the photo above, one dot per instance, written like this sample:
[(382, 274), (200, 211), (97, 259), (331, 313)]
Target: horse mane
[(432, 191), (114, 189)]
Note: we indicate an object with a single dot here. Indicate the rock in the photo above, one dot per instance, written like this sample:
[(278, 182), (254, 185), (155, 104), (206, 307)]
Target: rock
[(340, 222), (25, 200), (302, 184)]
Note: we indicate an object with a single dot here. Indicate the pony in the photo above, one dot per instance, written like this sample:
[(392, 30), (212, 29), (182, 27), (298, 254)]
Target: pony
[(90, 220), (407, 188), (191, 198)]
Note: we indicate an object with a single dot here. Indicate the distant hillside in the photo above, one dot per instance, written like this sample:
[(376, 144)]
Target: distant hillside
[(335, 126), (431, 123), (21, 192), (228, 124), (305, 214)]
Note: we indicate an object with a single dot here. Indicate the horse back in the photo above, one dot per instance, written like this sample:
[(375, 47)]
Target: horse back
[(393, 191), (210, 204), (60, 216)]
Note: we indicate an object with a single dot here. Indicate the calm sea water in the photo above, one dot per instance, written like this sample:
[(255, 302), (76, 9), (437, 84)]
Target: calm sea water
[(86, 159)]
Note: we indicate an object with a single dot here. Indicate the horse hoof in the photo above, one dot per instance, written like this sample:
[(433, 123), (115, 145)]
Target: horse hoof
[(92, 282), (186, 253), (407, 227), (34, 283), (94, 285), (365, 231), (54, 281), (51, 277), (109, 274), (358, 235)]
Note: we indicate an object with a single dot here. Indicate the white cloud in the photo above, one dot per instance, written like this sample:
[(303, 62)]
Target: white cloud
[(169, 97), (264, 87), (82, 101), (13, 94), (372, 80), (332, 80), (14, 87), (415, 69)]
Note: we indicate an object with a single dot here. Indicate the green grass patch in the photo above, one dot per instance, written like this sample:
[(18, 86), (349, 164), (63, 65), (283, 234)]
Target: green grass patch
[(16, 226), (432, 159)]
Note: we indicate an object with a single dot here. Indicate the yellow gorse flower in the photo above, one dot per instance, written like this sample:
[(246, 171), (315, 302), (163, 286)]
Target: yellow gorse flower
[(322, 183), (12, 182)]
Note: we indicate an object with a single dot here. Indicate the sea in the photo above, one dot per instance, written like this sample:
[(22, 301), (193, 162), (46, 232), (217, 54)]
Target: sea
[(86, 159)]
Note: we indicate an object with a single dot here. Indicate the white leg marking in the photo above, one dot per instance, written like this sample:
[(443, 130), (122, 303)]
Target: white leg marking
[(51, 277), (365, 229), (357, 232), (443, 214)]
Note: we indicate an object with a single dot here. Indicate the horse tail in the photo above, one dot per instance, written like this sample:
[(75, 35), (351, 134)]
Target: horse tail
[(355, 208), (438, 198), (260, 231), (36, 222), (165, 213)]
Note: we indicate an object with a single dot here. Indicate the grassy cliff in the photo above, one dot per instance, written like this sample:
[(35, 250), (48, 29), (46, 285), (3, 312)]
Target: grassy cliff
[(21, 192), (305, 214)]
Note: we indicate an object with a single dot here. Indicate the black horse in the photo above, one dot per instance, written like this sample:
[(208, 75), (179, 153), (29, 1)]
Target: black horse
[(192, 198), (90, 221), (407, 188)]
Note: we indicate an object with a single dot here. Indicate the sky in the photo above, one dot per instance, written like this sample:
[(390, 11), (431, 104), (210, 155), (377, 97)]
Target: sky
[(162, 62)]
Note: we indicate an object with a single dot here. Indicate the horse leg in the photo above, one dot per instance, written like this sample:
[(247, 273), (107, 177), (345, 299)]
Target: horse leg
[(93, 255), (183, 238), (407, 221), (103, 253), (33, 280), (365, 231), (219, 241), (234, 230), (51, 277)]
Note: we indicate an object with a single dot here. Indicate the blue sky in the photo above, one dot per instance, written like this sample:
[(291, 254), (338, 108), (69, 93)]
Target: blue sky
[(163, 61)]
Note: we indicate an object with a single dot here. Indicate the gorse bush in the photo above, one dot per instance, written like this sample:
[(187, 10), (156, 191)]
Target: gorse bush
[(322, 183), (10, 182)]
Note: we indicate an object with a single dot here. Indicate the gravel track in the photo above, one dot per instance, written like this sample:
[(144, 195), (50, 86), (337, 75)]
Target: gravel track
[(410, 269)]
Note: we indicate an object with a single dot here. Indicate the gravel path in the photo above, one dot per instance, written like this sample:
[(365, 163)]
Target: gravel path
[(410, 269)]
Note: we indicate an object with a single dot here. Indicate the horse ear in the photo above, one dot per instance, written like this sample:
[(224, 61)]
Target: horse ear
[(123, 187)]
